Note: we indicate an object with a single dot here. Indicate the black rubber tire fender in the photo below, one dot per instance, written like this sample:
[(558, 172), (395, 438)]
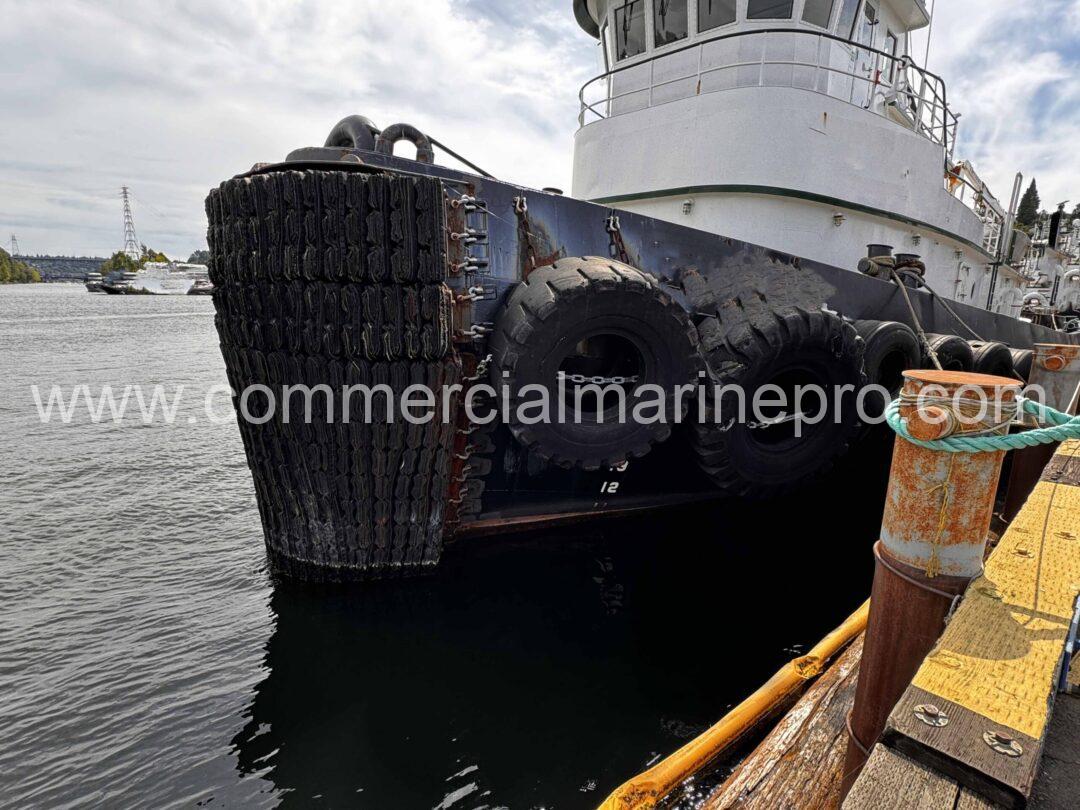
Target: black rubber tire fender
[(556, 308), (764, 345), (889, 349), (333, 277), (991, 357), (954, 353), (1022, 359)]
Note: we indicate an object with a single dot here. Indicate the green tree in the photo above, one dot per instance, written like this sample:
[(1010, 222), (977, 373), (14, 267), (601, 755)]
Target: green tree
[(203, 256), (121, 261), (151, 255), (1028, 212), (118, 261), (16, 272)]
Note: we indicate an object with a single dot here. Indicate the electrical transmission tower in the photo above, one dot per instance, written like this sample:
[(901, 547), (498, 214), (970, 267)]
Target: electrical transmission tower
[(131, 242), (15, 246)]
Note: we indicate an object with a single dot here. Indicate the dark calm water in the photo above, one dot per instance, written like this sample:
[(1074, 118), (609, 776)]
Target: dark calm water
[(147, 658)]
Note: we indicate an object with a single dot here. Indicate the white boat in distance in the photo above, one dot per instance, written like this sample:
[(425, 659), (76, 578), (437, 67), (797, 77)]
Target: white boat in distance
[(160, 278)]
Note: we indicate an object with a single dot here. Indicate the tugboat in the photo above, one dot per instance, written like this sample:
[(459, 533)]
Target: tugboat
[(732, 165)]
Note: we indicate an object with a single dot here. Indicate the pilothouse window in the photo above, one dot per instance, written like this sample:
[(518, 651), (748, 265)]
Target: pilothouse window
[(669, 21), (865, 32), (714, 13), (845, 23), (769, 9), (817, 12), (890, 48), (630, 29)]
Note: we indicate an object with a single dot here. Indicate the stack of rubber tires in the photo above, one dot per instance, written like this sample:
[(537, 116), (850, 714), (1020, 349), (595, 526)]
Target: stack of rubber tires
[(334, 278), (748, 344)]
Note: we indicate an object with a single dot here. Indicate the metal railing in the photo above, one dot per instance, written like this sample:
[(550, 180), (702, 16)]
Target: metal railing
[(778, 57), (992, 219)]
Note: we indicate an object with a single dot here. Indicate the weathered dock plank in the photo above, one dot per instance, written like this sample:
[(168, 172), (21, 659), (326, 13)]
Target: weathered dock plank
[(994, 672), (892, 781), (799, 763), (1058, 785)]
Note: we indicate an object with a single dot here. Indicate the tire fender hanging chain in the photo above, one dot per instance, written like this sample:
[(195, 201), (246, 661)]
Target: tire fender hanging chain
[(463, 445), (468, 235)]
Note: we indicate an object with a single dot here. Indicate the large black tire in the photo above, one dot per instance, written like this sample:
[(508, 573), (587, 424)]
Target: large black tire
[(990, 357), (592, 311), (890, 349), (749, 344), (1022, 359), (953, 353), (334, 278)]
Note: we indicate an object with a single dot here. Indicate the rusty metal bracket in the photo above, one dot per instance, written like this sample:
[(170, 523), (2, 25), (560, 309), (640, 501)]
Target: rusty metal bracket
[(616, 248), (525, 236)]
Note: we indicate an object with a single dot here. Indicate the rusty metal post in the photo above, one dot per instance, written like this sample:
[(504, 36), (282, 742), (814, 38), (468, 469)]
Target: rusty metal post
[(933, 537), (1055, 369)]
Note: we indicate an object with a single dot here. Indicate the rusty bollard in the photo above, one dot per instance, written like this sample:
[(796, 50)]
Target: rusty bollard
[(1055, 369), (933, 537)]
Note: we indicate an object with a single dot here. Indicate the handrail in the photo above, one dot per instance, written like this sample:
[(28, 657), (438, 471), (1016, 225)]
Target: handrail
[(929, 81), (993, 221)]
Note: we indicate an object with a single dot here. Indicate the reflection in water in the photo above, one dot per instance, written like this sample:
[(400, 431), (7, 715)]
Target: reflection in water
[(545, 671)]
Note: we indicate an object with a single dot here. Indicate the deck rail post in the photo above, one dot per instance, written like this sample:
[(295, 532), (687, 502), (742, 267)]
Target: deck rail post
[(933, 537)]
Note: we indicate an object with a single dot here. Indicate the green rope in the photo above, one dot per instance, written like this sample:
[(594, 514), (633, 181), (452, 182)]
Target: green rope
[(1062, 427)]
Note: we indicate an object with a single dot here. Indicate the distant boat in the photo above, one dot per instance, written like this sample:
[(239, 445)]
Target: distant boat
[(94, 282), (201, 287), (159, 278)]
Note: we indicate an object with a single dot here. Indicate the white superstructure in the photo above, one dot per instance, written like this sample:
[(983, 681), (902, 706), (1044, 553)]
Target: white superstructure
[(168, 278), (802, 125)]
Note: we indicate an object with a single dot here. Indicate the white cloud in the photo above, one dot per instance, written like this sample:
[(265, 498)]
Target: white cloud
[(1011, 70), (173, 100), (172, 97)]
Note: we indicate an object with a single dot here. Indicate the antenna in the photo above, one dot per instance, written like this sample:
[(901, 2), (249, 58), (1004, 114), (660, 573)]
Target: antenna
[(131, 242), (15, 246)]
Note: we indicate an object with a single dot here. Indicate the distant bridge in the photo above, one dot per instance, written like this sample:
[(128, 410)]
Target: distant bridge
[(63, 268)]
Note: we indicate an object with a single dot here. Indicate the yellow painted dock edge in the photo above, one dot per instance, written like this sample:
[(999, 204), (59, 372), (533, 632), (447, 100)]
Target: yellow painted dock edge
[(999, 653), (646, 789)]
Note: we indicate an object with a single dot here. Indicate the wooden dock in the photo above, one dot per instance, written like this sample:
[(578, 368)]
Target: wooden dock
[(988, 721)]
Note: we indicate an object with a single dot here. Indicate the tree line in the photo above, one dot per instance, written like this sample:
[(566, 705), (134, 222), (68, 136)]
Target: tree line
[(121, 261), (16, 272)]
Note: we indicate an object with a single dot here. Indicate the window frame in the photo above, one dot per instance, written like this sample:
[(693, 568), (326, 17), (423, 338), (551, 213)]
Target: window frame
[(606, 45), (691, 32), (860, 14), (740, 11), (891, 73), (647, 13), (744, 7), (833, 12), (848, 35)]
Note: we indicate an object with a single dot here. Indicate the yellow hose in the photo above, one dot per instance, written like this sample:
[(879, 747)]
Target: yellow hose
[(646, 789)]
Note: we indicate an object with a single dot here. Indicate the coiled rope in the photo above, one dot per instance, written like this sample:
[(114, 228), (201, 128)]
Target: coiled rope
[(980, 436)]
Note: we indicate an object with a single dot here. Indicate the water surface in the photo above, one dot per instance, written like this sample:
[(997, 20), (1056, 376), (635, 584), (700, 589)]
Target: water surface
[(148, 658)]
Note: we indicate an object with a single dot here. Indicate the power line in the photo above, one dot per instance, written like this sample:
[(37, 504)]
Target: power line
[(131, 242), (15, 246)]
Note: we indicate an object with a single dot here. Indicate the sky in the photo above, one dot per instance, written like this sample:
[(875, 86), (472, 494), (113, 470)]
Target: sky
[(171, 98)]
